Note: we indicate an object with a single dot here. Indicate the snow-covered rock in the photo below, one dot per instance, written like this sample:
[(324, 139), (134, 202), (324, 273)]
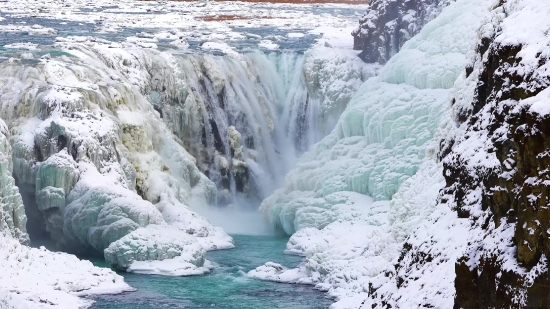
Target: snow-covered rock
[(154, 242), (93, 158), (388, 24), (38, 278)]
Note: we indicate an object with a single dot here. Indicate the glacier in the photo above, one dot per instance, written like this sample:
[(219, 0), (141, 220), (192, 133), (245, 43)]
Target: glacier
[(357, 195)]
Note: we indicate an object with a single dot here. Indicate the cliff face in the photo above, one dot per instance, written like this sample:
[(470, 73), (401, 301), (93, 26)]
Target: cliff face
[(506, 195), (486, 244), (388, 24), (489, 234)]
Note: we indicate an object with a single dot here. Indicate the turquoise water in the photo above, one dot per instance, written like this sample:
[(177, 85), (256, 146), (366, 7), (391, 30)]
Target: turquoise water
[(225, 287)]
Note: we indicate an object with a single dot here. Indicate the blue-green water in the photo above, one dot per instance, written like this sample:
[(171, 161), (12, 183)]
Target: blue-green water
[(225, 287)]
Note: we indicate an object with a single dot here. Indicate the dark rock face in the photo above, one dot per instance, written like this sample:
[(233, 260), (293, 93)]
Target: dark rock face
[(506, 194), (388, 24), (497, 184)]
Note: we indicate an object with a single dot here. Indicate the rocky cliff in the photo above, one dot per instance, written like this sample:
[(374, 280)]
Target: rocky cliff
[(388, 24), (486, 245), (506, 196)]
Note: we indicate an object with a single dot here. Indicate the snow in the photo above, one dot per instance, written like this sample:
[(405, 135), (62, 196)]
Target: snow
[(155, 250), (37, 278)]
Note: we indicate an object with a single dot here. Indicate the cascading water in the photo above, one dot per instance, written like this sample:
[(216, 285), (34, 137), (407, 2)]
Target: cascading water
[(246, 119)]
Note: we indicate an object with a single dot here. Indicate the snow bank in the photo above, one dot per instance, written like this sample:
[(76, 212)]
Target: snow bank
[(37, 278)]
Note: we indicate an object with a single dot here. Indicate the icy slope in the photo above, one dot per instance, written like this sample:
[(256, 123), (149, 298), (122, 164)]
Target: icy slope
[(386, 135)]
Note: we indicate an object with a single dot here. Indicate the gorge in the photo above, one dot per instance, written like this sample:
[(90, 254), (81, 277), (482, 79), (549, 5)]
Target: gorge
[(405, 158)]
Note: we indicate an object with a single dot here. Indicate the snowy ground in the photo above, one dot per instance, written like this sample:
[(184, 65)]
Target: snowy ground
[(221, 26)]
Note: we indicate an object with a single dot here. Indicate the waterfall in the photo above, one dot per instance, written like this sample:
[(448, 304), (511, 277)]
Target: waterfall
[(246, 119)]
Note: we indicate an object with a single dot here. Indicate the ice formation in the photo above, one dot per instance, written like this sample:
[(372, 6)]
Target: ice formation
[(384, 145), (38, 278), (13, 221), (93, 159)]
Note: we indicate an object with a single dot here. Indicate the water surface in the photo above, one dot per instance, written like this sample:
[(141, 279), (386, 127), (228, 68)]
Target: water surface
[(225, 287)]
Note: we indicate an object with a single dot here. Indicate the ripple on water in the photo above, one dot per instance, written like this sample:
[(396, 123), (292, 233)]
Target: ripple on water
[(226, 287)]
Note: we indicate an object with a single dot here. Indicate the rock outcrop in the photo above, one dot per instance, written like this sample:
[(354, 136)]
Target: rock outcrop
[(488, 239), (388, 24), (497, 172)]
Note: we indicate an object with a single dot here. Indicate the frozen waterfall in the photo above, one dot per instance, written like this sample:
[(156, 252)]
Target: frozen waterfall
[(114, 147), (247, 118)]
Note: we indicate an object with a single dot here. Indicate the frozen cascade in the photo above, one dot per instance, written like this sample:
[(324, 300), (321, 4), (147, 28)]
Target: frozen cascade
[(246, 118), (100, 131)]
